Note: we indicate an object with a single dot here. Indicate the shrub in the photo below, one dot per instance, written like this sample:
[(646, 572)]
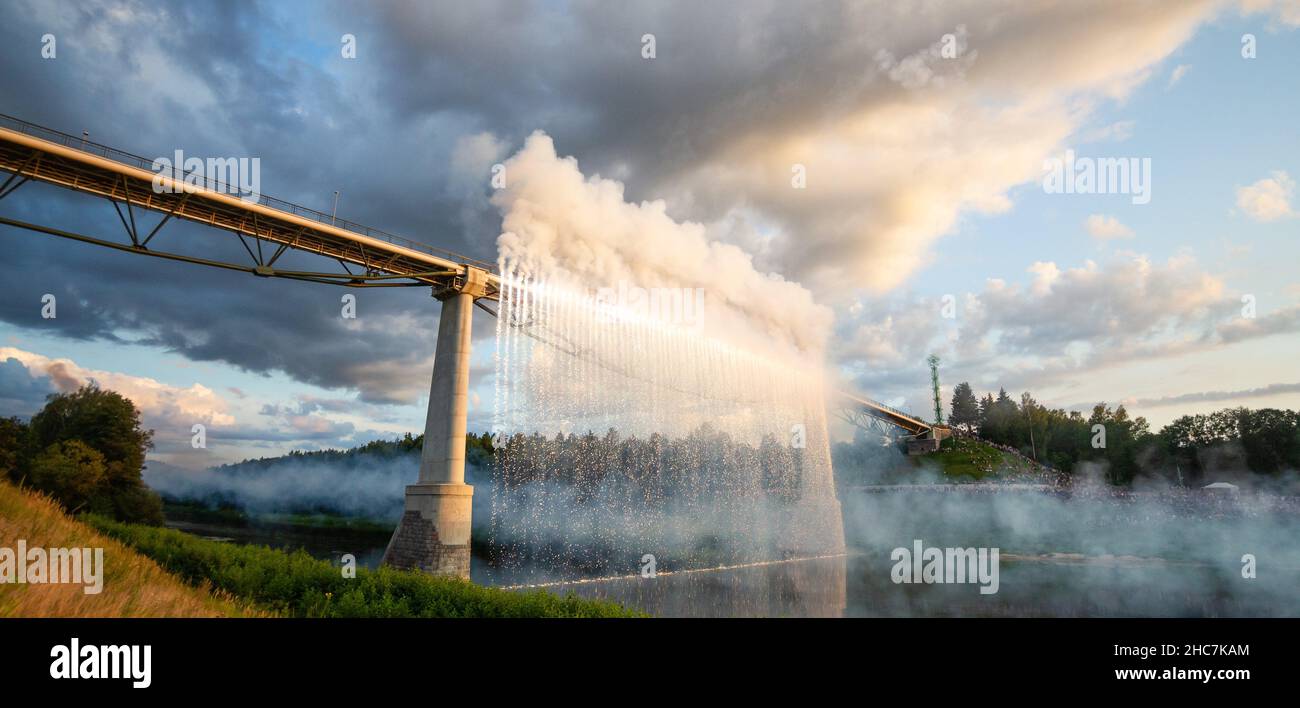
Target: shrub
[(91, 452), (13, 444), (70, 471)]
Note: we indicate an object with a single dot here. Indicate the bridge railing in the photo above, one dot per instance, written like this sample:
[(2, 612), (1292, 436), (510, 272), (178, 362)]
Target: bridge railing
[(126, 158), (895, 411), (891, 409)]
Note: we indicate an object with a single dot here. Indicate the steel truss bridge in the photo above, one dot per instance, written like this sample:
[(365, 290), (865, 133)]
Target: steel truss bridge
[(268, 227), (875, 417)]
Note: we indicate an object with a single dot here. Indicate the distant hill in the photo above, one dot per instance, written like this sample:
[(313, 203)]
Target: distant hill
[(960, 459), (365, 481)]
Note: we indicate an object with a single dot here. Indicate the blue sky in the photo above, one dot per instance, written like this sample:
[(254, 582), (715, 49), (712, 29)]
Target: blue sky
[(1226, 123), (922, 183)]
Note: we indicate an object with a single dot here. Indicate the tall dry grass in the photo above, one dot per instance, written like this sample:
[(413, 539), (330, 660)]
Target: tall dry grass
[(133, 585)]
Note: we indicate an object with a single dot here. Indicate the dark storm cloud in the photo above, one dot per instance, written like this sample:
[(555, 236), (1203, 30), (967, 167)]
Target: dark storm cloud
[(579, 75), (211, 315), (22, 394), (199, 77)]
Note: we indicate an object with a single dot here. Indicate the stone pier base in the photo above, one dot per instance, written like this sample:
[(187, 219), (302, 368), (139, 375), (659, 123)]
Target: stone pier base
[(433, 535)]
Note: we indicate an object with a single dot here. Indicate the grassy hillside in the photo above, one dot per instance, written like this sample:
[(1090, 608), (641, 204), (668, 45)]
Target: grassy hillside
[(134, 585), (968, 458), (156, 572), (959, 459)]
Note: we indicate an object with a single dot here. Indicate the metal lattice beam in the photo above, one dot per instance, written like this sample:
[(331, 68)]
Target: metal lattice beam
[(32, 152), (345, 279)]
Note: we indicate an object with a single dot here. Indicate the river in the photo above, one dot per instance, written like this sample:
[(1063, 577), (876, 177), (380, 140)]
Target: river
[(1060, 555)]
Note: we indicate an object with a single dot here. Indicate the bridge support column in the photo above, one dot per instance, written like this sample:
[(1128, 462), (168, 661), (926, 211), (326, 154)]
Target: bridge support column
[(434, 532)]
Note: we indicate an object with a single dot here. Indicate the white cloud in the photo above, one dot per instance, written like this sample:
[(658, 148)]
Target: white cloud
[(160, 404), (1107, 228), (1129, 307), (1269, 199), (231, 428), (1281, 321), (1285, 11), (1177, 74), (1059, 324), (1275, 389), (892, 168), (930, 66)]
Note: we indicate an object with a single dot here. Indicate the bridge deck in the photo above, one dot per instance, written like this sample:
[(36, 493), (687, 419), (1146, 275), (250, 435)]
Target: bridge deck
[(875, 409), (35, 152)]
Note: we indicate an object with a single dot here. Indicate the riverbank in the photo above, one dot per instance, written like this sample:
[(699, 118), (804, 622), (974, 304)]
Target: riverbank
[(296, 584)]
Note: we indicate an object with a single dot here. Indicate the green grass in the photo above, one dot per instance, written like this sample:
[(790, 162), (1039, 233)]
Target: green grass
[(133, 585), (297, 585), (964, 457)]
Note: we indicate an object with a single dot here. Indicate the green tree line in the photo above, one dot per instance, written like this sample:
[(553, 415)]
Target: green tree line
[(1191, 449), (478, 449)]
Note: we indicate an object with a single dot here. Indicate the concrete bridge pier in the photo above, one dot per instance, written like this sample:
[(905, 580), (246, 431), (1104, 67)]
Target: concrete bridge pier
[(434, 532)]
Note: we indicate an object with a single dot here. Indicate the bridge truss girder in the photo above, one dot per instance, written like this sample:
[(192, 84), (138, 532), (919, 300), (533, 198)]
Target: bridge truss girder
[(265, 237), (859, 418)]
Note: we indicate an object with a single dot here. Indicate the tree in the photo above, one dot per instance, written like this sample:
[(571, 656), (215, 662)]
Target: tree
[(1270, 438), (136, 504), (965, 408), (986, 407), (13, 448), (104, 420), (1187, 450), (1000, 421), (109, 424), (72, 472), (1126, 440)]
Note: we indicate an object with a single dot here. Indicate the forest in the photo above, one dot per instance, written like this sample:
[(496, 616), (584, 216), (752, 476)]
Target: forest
[(1192, 449)]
